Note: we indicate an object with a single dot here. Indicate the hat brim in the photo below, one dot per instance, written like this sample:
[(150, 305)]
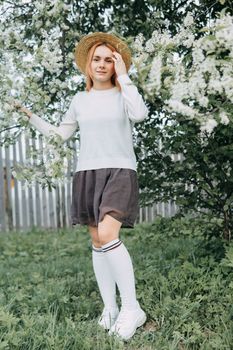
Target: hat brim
[(84, 45)]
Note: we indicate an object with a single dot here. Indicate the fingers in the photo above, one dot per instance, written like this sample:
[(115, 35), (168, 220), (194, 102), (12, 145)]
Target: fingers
[(21, 108), (16, 104), (117, 56), (119, 63)]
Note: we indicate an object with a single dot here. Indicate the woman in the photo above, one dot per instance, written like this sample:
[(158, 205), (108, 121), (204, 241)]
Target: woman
[(105, 187)]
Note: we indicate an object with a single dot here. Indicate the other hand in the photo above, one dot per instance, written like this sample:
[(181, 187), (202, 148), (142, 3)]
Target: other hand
[(23, 109)]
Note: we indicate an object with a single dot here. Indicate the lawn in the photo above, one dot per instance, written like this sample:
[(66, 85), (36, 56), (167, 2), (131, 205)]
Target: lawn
[(49, 297)]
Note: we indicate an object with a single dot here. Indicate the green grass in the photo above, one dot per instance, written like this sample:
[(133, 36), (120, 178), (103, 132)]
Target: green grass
[(49, 297)]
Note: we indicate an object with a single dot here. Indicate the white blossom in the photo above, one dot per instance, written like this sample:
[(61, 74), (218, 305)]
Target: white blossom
[(199, 85), (181, 108), (198, 56), (208, 126), (179, 91), (188, 21), (203, 101), (227, 85), (189, 40), (225, 34), (224, 118), (139, 43), (141, 59), (215, 86), (155, 73), (206, 44)]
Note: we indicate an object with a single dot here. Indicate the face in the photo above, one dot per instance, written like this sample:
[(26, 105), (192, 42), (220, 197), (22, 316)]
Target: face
[(102, 65)]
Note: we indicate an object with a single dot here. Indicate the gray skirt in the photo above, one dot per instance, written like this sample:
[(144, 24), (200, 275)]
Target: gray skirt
[(112, 191)]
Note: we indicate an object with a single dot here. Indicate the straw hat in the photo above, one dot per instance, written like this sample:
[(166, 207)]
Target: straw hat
[(89, 40)]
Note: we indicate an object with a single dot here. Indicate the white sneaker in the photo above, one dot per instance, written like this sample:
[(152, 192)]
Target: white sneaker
[(127, 323), (108, 317)]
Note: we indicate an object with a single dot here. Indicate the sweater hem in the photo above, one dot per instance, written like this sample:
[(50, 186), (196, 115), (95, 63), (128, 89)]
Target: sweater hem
[(110, 163)]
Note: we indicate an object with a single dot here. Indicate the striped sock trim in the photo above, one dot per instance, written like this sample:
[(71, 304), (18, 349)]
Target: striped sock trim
[(110, 246), (98, 250)]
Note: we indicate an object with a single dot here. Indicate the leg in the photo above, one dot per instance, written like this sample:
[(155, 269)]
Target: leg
[(105, 281), (108, 229), (131, 315), (119, 259), (94, 236)]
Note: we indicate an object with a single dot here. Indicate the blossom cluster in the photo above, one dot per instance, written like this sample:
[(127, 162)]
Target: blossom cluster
[(191, 74), (51, 162), (36, 70)]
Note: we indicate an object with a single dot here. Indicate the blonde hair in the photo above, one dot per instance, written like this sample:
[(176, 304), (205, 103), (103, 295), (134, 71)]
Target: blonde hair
[(89, 81)]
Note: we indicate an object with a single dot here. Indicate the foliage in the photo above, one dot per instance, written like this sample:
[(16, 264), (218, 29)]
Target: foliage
[(37, 68), (189, 76), (37, 45), (185, 149), (49, 297), (51, 163)]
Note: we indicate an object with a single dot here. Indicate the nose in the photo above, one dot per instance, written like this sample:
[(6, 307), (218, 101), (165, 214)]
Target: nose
[(101, 63)]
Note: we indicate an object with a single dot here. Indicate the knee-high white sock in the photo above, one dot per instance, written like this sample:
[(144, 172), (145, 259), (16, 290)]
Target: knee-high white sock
[(121, 267), (105, 280)]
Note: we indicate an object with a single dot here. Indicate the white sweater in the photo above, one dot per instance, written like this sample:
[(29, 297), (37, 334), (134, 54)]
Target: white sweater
[(105, 119)]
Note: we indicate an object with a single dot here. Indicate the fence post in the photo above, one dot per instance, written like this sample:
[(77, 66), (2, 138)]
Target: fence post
[(23, 192), (16, 192), (37, 194), (2, 196), (30, 194), (8, 189)]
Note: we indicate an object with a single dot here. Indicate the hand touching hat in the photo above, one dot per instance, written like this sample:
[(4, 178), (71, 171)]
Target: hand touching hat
[(89, 40)]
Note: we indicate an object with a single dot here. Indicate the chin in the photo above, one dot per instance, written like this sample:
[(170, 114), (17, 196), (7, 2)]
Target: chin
[(104, 79)]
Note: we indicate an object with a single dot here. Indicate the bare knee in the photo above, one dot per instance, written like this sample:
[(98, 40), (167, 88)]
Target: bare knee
[(106, 236), (94, 236), (108, 229)]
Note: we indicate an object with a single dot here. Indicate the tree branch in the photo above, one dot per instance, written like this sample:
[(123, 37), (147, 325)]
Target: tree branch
[(10, 127)]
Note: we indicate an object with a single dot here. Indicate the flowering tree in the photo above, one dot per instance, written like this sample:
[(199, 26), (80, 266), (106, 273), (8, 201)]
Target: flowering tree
[(196, 84), (37, 69), (189, 78)]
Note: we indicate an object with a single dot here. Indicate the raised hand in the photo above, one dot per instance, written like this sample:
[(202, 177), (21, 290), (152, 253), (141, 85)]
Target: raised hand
[(120, 67)]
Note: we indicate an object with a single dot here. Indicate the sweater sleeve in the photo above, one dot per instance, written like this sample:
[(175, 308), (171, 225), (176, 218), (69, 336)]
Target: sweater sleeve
[(134, 104), (66, 128)]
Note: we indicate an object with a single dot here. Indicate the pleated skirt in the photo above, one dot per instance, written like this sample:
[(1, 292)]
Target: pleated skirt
[(112, 191)]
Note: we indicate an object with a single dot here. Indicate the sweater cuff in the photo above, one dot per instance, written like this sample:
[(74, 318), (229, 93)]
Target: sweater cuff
[(124, 79)]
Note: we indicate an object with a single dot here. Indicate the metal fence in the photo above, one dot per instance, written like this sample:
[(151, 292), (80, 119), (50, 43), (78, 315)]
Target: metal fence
[(23, 207)]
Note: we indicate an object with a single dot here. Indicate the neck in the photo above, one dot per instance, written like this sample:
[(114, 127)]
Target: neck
[(102, 85)]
